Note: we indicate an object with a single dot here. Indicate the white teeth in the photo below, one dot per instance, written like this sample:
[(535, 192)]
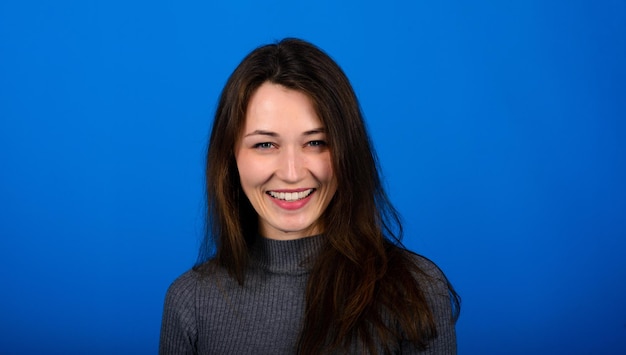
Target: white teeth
[(290, 196)]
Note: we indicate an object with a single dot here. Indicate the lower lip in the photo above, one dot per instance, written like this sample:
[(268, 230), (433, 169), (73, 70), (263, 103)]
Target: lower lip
[(292, 205)]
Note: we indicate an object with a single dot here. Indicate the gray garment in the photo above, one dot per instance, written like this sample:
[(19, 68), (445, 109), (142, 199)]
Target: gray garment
[(214, 315)]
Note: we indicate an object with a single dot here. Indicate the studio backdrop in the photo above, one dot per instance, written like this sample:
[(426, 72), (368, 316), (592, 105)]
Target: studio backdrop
[(499, 125)]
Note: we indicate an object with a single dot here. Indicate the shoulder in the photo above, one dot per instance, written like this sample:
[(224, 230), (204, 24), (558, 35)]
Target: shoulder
[(184, 284), (442, 301), (431, 281), (180, 298), (422, 268), (429, 276), (198, 285), (427, 268), (179, 326)]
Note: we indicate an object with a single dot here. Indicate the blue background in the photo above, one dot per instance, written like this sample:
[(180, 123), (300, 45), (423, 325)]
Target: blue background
[(500, 126)]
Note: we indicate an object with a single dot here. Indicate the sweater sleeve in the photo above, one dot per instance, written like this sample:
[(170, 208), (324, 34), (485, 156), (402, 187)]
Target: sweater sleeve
[(179, 331), (435, 288)]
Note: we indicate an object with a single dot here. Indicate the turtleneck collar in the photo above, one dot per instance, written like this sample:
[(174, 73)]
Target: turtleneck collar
[(293, 257)]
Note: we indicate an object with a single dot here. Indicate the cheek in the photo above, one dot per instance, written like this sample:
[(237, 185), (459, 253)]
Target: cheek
[(250, 170), (324, 169)]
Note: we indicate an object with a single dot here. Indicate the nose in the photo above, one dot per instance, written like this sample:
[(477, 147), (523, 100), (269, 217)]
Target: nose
[(291, 165)]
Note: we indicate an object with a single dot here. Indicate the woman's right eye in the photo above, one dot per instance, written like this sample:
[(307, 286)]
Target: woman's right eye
[(264, 145)]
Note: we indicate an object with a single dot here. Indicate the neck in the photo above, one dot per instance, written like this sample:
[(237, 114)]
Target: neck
[(294, 256)]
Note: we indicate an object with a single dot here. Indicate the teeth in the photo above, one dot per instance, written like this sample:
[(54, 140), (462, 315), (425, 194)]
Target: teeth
[(290, 196)]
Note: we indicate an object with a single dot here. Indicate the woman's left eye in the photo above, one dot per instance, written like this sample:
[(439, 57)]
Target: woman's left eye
[(317, 143)]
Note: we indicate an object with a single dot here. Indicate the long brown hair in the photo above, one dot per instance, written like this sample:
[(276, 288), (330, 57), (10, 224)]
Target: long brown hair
[(363, 276)]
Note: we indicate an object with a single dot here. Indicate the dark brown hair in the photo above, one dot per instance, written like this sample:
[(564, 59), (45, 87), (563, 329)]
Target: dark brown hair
[(363, 276)]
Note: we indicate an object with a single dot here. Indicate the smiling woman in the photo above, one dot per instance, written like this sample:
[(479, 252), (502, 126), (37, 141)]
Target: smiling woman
[(307, 258), (284, 163)]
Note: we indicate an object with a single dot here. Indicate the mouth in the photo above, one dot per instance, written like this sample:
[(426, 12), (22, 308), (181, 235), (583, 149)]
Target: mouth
[(291, 196)]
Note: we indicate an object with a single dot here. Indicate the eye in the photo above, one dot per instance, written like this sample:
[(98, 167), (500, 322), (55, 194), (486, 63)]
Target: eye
[(264, 145), (318, 143)]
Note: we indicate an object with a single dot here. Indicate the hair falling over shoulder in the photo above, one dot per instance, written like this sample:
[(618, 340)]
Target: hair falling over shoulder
[(364, 285)]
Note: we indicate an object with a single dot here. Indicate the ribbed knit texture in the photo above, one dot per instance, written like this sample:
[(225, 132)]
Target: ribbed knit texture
[(215, 315)]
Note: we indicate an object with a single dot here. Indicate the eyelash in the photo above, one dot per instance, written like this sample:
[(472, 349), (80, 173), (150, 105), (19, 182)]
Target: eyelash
[(268, 145), (264, 145), (317, 143)]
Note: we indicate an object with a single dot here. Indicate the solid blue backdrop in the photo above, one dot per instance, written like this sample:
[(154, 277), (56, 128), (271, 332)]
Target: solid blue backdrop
[(500, 127)]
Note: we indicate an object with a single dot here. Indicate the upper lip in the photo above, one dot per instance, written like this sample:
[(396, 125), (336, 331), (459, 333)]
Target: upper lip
[(293, 190)]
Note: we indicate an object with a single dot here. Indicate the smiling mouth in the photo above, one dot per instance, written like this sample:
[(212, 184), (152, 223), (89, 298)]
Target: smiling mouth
[(290, 196)]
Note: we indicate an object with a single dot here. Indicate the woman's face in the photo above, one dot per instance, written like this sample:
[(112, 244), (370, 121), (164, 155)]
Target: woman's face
[(284, 163)]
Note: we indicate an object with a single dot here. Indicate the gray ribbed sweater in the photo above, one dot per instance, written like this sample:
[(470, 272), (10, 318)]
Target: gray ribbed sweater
[(214, 315)]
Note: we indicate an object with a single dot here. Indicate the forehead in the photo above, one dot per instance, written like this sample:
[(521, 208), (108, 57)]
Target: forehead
[(277, 106)]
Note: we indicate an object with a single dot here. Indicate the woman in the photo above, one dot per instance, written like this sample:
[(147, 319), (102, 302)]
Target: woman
[(302, 254)]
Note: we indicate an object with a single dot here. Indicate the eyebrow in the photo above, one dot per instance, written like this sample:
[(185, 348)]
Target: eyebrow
[(261, 132)]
